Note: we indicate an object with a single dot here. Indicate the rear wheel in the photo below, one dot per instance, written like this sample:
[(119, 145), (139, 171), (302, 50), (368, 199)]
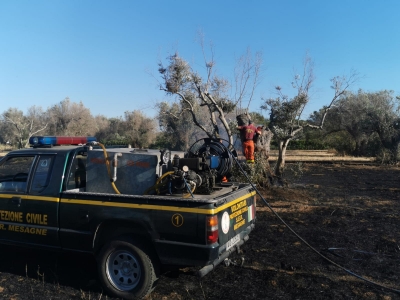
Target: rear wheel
[(125, 270)]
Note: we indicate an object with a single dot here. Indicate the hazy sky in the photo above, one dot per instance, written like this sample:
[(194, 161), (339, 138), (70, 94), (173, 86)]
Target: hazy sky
[(105, 53)]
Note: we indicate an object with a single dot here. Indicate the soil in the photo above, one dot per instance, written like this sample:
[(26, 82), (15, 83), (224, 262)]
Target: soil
[(348, 212)]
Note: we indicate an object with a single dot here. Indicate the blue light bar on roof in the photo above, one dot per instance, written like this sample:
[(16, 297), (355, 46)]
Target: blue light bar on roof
[(38, 141)]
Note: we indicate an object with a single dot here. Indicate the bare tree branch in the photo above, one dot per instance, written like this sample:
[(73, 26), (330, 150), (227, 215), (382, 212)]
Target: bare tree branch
[(340, 85)]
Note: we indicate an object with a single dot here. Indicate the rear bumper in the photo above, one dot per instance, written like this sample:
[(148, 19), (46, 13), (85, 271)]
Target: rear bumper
[(184, 254), (209, 267), (207, 256)]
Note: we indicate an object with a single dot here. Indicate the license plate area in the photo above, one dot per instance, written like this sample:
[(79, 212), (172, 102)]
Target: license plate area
[(232, 242)]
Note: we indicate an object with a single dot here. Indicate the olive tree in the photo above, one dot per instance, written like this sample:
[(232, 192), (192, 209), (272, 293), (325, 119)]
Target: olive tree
[(285, 113), (209, 94), (138, 129), (20, 127), (177, 128), (102, 127), (368, 118), (71, 118)]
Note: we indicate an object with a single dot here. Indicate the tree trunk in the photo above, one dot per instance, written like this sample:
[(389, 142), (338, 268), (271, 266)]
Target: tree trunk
[(360, 149), (243, 119), (262, 149), (280, 163), (263, 142), (20, 143)]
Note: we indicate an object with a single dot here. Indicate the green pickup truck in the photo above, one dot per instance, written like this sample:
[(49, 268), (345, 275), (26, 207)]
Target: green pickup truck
[(136, 210)]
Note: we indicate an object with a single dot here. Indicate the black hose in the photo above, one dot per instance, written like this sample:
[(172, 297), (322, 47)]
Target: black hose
[(305, 242)]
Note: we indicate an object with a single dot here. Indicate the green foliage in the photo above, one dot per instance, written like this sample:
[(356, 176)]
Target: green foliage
[(387, 156), (163, 141), (341, 141), (307, 145), (362, 124), (259, 173), (295, 169), (300, 145), (258, 119), (372, 145), (115, 142)]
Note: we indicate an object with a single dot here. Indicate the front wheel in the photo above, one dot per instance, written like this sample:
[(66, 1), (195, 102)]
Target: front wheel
[(126, 271)]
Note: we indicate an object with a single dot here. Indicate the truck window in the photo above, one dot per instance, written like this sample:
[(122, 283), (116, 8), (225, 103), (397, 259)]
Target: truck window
[(42, 174), (77, 174), (14, 173)]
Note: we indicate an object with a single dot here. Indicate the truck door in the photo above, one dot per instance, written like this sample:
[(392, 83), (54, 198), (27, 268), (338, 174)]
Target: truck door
[(27, 215), (13, 185), (75, 232)]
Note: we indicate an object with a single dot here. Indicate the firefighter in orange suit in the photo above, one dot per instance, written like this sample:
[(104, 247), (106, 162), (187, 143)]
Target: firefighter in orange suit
[(247, 133)]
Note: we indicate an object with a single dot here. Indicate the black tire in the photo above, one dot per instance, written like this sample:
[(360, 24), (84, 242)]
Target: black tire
[(125, 270)]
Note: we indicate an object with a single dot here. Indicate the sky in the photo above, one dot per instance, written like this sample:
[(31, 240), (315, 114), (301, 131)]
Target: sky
[(106, 53)]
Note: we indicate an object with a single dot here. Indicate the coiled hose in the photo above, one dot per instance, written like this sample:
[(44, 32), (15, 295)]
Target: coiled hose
[(218, 149)]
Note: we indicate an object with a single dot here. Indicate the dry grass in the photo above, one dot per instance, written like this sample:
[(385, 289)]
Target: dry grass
[(318, 156), (4, 149)]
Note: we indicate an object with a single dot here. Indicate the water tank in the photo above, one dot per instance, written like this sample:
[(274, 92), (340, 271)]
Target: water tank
[(136, 171)]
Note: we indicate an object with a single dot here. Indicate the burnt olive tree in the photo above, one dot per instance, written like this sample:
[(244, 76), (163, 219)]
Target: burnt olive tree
[(208, 94)]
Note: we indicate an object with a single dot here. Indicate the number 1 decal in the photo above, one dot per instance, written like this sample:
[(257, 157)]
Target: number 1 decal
[(177, 220)]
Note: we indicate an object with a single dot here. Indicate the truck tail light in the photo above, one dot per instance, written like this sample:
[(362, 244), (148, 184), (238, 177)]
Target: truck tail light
[(212, 229)]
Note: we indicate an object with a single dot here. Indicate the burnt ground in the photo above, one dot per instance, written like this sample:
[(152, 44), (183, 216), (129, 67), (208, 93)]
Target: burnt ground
[(348, 212)]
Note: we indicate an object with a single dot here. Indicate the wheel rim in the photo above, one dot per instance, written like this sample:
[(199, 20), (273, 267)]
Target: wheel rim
[(123, 270)]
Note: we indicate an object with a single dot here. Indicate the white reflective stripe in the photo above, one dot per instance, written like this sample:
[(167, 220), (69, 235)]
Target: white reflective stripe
[(250, 213)]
